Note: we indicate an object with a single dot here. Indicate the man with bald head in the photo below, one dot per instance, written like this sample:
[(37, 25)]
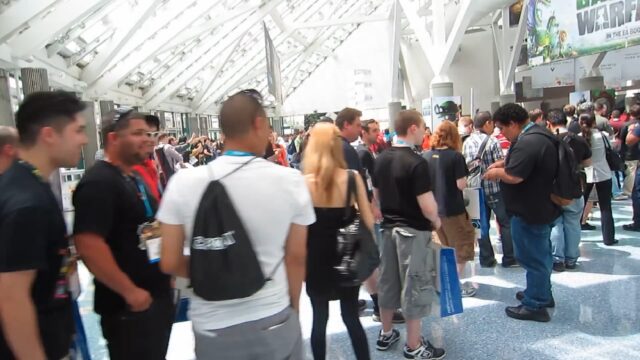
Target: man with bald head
[(8, 147)]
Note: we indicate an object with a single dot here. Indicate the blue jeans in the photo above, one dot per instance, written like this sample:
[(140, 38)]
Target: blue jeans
[(617, 177), (565, 235), (532, 247), (635, 198), (495, 203)]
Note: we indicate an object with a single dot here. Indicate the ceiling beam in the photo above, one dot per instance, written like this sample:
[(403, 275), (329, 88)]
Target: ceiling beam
[(44, 30), (169, 84), (203, 28), (147, 48), (125, 29), (73, 33), (445, 55), (19, 14), (275, 16), (338, 22), (410, 11)]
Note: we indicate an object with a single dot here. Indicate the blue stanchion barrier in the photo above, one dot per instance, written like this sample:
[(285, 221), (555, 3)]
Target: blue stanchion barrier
[(80, 345)]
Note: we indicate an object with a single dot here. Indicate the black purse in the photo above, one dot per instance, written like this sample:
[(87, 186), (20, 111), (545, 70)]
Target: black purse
[(615, 161), (358, 254)]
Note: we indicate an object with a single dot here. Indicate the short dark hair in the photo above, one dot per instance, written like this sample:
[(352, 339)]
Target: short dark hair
[(348, 116), (569, 110), (153, 121), (535, 114), (634, 111), (601, 104), (118, 120), (41, 109), (238, 113), (326, 119), (481, 119), (511, 113), (367, 123), (556, 117), (405, 119)]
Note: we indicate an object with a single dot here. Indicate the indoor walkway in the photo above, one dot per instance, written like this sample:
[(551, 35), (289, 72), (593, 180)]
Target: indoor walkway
[(596, 317)]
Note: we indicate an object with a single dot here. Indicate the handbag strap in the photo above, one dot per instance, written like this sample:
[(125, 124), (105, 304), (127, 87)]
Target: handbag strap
[(607, 144)]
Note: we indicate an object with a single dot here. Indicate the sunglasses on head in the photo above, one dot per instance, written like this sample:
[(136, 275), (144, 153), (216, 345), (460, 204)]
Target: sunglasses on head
[(121, 113), (252, 93)]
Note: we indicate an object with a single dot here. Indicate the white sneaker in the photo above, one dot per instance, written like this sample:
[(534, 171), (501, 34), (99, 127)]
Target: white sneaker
[(468, 290)]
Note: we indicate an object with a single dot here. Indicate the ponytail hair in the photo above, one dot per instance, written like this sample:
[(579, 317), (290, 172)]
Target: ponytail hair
[(587, 121)]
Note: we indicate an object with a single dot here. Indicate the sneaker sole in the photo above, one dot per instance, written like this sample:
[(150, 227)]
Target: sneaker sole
[(433, 358)]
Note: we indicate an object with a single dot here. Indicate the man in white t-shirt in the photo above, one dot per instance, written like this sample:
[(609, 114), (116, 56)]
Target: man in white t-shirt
[(275, 208)]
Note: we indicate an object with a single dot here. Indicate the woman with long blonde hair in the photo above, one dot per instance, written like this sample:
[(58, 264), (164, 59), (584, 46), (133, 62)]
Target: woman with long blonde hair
[(327, 177)]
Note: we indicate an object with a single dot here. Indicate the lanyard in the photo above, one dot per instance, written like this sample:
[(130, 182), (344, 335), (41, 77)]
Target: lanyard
[(238, 153), (401, 143), (144, 197), (529, 126)]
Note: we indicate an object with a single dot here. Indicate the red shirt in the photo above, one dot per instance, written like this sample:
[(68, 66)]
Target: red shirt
[(504, 143), (149, 174)]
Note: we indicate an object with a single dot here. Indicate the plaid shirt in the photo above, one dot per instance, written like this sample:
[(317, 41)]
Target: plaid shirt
[(492, 153)]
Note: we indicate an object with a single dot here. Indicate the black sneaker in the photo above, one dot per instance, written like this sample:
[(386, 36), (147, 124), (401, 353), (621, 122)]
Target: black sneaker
[(551, 304), (522, 313), (425, 351), (587, 226), (631, 227), (362, 305), (385, 342), (558, 267), (490, 264), (510, 264), (570, 265)]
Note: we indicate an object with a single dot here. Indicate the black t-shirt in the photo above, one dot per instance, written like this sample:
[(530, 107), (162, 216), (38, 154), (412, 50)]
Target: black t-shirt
[(109, 204), (367, 160), (33, 236), (534, 158), (446, 167), (401, 176)]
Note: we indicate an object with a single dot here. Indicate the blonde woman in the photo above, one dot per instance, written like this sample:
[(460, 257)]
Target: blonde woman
[(327, 178)]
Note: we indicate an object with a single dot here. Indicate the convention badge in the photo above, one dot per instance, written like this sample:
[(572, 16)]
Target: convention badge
[(150, 240)]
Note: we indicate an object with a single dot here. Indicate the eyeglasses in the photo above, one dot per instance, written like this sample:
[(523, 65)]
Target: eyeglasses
[(153, 134)]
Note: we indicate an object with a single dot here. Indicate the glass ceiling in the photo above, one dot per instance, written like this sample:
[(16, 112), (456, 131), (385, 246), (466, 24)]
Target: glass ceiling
[(295, 26)]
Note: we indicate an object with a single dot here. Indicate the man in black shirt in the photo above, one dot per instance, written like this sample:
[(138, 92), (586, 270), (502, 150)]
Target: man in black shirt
[(527, 178), (114, 214), (572, 121), (8, 147), (410, 213), (350, 125), (35, 304), (565, 236)]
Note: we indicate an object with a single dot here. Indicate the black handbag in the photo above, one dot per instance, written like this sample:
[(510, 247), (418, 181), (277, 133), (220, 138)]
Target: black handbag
[(358, 254), (615, 161)]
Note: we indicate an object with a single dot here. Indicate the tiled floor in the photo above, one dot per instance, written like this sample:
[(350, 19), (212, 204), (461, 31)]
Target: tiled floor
[(597, 314)]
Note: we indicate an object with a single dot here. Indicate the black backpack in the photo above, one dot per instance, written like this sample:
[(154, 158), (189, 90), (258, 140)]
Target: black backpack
[(223, 264), (566, 184), (291, 148)]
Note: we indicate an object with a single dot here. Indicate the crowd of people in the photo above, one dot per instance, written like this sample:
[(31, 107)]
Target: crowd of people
[(252, 216)]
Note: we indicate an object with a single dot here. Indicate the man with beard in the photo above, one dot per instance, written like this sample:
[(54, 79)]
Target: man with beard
[(117, 238)]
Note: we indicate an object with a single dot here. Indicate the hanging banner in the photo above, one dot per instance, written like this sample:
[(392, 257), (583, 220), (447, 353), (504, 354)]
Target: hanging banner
[(561, 29), (561, 73), (274, 80)]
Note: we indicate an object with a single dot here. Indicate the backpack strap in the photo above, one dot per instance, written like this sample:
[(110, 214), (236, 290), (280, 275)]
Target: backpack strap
[(273, 272), (482, 148)]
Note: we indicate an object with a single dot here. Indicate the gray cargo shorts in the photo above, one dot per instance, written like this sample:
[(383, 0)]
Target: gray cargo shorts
[(407, 272), (276, 337)]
